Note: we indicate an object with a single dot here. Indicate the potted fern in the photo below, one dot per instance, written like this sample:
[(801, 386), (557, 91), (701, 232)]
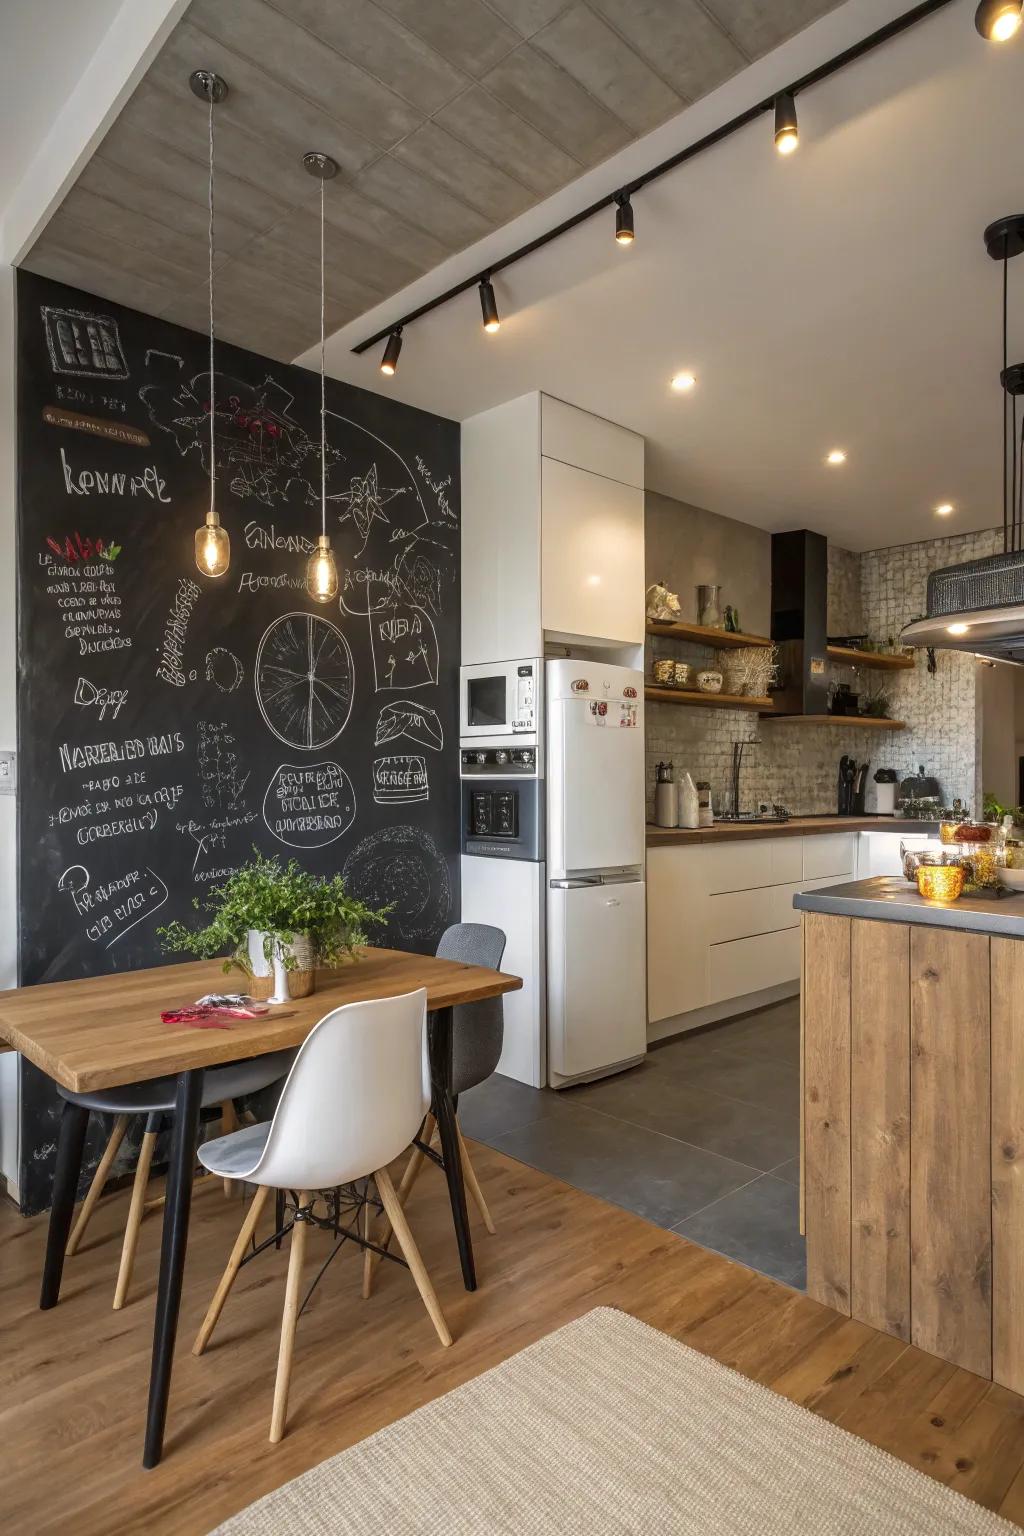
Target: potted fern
[(278, 923)]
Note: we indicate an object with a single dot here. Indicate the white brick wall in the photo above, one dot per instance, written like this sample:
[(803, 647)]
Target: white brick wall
[(797, 765)]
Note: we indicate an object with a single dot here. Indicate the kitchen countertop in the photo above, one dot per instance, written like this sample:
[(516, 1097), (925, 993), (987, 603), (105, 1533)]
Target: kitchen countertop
[(796, 826), (890, 899)]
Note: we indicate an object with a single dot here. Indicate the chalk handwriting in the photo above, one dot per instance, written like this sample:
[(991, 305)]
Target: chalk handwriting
[(172, 649), (102, 699), (101, 482)]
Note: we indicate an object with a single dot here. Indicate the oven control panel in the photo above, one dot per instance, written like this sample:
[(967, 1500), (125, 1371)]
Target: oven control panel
[(524, 715), (503, 818), (498, 761)]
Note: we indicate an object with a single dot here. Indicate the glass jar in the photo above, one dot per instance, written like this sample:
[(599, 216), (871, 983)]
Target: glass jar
[(940, 882), (913, 858)]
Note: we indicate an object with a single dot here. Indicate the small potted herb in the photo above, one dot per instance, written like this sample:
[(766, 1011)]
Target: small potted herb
[(876, 705), (278, 923)]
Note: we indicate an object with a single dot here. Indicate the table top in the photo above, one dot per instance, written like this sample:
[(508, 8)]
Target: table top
[(104, 1031), (888, 898)]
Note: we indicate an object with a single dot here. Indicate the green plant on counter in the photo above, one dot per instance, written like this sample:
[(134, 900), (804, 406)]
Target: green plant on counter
[(993, 809), (284, 902)]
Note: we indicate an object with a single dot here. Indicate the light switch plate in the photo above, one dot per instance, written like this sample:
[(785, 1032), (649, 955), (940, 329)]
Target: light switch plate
[(8, 773)]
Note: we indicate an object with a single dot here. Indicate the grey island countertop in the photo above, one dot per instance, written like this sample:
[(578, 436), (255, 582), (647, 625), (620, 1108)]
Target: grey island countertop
[(888, 898)]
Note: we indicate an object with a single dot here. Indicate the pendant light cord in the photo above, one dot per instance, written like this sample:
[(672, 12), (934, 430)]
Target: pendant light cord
[(213, 466), (323, 388), (1007, 504)]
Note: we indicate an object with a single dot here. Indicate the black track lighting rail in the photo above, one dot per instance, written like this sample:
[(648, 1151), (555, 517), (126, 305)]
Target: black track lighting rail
[(876, 39)]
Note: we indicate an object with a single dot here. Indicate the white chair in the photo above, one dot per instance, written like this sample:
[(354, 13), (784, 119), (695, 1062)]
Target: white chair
[(354, 1099)]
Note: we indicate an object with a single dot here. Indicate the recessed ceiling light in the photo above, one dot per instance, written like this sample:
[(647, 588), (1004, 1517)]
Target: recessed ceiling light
[(683, 381), (957, 629), (944, 509), (836, 456)]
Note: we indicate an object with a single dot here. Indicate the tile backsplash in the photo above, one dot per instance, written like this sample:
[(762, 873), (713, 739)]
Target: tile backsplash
[(877, 593)]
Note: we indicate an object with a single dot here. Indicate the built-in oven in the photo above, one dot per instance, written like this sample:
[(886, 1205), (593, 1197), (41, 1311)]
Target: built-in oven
[(503, 818), (500, 700)]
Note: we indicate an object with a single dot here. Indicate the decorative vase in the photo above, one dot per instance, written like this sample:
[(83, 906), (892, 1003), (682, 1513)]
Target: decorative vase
[(272, 980), (709, 611), (709, 682)]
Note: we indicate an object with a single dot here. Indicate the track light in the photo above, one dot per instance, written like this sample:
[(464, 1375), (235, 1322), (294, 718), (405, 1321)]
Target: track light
[(489, 306), (624, 231), (389, 362), (787, 136), (999, 20)]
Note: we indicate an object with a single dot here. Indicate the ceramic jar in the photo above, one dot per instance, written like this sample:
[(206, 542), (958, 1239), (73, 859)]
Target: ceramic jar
[(271, 979), (683, 675), (709, 682), (664, 671)]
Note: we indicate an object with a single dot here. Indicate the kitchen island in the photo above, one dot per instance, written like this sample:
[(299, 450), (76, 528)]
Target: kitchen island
[(912, 1172)]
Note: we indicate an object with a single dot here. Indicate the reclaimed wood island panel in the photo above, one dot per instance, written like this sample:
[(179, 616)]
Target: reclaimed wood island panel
[(913, 1119)]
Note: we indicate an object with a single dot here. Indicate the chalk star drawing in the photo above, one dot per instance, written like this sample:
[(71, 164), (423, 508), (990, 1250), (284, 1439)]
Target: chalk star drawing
[(366, 501)]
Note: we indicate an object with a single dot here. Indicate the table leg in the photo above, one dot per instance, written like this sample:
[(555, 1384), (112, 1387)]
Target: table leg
[(187, 1101), (444, 1110), (70, 1142)]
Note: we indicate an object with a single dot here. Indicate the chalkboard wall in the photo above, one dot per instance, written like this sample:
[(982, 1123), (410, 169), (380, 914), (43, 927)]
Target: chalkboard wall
[(169, 721)]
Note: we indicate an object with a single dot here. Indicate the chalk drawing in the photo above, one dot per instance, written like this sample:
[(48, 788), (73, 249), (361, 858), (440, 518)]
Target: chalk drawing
[(308, 805), (400, 779), (405, 717), (304, 679), (365, 501), (221, 776), (224, 669), (86, 345), (75, 881), (404, 868), (403, 643)]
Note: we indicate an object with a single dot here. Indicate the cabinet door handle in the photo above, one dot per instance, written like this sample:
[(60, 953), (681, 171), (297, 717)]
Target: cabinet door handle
[(613, 901)]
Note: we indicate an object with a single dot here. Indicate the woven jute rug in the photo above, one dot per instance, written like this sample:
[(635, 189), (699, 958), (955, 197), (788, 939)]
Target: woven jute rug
[(608, 1426)]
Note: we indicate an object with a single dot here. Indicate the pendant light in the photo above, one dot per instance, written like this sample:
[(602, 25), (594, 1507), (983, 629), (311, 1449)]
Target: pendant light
[(389, 362), (489, 306), (625, 233), (213, 547), (321, 571)]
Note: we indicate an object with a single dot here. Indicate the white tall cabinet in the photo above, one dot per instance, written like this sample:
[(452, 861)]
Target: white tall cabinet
[(553, 530)]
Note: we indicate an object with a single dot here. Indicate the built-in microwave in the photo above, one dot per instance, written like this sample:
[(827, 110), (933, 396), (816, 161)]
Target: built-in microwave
[(500, 699)]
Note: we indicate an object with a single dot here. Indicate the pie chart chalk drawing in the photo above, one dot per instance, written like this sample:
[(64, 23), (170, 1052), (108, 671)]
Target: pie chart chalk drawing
[(304, 680)]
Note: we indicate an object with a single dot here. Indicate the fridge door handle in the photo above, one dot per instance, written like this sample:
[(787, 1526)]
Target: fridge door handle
[(573, 885)]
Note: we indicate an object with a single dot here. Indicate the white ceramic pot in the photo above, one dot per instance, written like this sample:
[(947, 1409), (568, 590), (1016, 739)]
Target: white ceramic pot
[(273, 981), (709, 682)]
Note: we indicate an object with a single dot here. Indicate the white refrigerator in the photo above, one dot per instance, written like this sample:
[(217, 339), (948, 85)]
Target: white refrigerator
[(596, 942)]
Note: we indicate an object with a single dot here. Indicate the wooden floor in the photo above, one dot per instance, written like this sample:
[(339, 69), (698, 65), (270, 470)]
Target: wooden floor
[(73, 1381)]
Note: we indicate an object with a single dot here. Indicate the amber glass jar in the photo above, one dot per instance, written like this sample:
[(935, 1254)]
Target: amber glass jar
[(940, 882)]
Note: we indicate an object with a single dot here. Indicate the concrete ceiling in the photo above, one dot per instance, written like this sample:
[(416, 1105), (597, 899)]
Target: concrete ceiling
[(447, 117), (840, 297)]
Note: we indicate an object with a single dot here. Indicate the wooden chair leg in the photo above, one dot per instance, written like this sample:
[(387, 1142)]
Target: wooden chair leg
[(96, 1187), (230, 1274), (409, 1177), (411, 1253), (476, 1194), (136, 1210), (289, 1319), (228, 1123)]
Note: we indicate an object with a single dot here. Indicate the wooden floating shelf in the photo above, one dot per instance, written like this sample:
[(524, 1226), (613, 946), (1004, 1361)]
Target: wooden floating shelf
[(694, 697), (700, 634), (870, 722), (877, 661)]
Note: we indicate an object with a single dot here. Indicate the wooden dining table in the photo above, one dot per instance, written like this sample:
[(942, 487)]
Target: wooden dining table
[(106, 1031)]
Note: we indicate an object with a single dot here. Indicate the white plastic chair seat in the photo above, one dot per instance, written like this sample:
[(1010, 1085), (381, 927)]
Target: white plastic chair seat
[(236, 1155)]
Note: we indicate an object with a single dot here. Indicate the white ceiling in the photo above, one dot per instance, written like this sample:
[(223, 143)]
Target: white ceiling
[(841, 297), (36, 76)]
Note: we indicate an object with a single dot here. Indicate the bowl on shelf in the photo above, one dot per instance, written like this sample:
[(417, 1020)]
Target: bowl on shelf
[(1013, 879)]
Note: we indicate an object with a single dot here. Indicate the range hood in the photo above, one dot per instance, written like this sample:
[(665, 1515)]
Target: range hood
[(979, 606), (799, 618)]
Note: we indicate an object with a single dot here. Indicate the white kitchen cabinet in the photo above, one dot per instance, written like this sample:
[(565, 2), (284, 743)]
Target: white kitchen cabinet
[(830, 854), (752, 965), (677, 933), (552, 540), (590, 442), (592, 560)]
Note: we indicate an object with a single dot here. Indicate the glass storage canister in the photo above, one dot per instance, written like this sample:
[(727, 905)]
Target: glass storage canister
[(664, 671), (940, 882), (705, 811)]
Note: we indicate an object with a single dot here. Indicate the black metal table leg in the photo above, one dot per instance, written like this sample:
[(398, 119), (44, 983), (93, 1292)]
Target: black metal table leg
[(70, 1142), (187, 1100), (444, 1111)]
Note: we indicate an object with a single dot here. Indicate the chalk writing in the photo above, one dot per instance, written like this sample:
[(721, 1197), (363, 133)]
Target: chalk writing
[(87, 602), (309, 805), (94, 754), (172, 649), (102, 699), (258, 537), (400, 780), (101, 482)]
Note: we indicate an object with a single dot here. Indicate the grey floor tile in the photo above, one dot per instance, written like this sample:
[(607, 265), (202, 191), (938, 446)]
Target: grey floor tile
[(789, 1171), (757, 1225), (737, 1075), (502, 1104), (659, 1178), (666, 1102)]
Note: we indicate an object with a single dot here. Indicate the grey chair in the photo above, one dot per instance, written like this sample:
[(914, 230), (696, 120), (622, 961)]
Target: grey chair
[(155, 1099), (477, 1036)]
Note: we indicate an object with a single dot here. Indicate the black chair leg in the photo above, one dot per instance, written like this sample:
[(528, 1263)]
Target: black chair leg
[(278, 1217), (70, 1142), (444, 1112), (187, 1102)]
